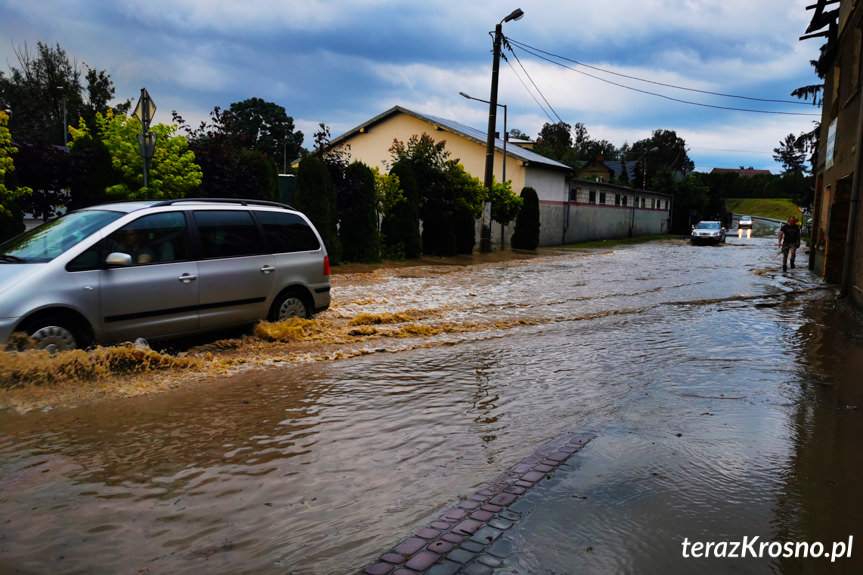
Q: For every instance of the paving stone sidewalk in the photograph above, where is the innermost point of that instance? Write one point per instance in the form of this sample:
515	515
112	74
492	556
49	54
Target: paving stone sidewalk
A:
466	539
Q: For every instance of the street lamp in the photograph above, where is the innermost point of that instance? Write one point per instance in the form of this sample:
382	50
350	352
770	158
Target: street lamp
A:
505	138
485	239
505	134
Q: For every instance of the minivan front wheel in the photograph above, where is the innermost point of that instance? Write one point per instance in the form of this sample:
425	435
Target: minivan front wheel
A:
52	335
289	305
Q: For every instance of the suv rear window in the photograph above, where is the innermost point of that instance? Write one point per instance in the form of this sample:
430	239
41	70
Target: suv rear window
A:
227	234
287	232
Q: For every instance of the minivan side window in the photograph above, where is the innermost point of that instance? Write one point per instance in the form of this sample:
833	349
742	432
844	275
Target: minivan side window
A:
153	239
226	234
287	232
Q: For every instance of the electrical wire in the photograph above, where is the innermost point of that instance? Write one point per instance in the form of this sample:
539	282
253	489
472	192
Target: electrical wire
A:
538	103
535	86
527	47
521	46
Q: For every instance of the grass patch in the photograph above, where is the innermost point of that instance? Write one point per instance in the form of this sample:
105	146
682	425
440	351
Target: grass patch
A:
777	209
623	241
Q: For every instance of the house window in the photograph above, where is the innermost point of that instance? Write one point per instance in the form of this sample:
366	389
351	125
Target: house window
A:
616	199
601	197
643	202
625	199
592	197
573	194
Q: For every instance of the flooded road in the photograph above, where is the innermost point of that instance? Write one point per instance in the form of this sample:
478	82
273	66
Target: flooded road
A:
723	395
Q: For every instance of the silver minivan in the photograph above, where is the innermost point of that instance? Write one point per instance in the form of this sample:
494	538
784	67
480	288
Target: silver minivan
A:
159	269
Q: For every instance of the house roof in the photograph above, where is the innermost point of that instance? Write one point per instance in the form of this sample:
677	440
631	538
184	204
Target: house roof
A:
478	136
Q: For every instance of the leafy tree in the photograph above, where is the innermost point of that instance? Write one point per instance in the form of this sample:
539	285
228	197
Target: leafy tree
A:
555	141
173	171
316	198
10	221
387	192
692	200
664	149
92	172
431	163
228	171
525	236
505	205
358	229
470	194
255	124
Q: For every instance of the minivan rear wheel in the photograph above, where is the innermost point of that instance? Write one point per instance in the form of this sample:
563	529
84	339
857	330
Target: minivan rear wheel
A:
289	305
52	335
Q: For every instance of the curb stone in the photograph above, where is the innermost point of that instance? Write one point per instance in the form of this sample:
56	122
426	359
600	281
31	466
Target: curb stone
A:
463	539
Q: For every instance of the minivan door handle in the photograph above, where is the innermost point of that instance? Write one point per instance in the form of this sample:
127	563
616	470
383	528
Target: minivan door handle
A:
267	269
187	278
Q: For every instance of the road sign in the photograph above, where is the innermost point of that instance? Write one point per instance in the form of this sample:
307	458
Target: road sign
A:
145	109
147	144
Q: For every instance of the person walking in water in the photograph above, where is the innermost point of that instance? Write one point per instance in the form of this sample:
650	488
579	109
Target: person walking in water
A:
789	241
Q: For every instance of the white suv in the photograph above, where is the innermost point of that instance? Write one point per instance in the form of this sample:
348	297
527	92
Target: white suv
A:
156	269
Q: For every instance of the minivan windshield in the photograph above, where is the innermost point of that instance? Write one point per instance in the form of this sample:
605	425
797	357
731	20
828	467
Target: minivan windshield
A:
46	242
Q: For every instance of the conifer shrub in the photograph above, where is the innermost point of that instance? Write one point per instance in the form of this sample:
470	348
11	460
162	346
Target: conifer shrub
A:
358	227
525	236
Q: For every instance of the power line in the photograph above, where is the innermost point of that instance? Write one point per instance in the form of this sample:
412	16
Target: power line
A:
532	82
527	46
681	101
541	107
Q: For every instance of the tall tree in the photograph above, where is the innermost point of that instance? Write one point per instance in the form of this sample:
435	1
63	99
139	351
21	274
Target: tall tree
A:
46	95
228	171
791	153
263	126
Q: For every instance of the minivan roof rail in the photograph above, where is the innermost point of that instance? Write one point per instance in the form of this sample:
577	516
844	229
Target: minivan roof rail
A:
241	201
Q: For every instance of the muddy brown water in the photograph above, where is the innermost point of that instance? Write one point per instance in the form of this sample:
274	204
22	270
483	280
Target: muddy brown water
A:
725	397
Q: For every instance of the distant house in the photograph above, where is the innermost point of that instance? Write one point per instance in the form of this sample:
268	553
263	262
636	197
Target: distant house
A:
370	143
743	173
571	209
602	170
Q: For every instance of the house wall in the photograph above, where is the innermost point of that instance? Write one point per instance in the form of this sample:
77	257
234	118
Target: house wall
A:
590	219
835	208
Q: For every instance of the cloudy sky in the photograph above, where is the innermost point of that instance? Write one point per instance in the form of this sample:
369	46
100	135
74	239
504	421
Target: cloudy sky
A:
614	65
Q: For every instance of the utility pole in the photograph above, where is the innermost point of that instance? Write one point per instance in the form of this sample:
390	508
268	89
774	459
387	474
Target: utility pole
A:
485	233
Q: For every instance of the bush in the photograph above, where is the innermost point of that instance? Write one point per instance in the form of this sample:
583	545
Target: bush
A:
525	236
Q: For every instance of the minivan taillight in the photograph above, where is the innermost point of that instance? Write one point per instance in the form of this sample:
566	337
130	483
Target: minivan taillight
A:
326	265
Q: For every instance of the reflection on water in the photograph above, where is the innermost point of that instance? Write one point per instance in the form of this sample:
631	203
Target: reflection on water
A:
707	377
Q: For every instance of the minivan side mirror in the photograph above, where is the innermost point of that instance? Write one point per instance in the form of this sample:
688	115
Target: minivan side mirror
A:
118	259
